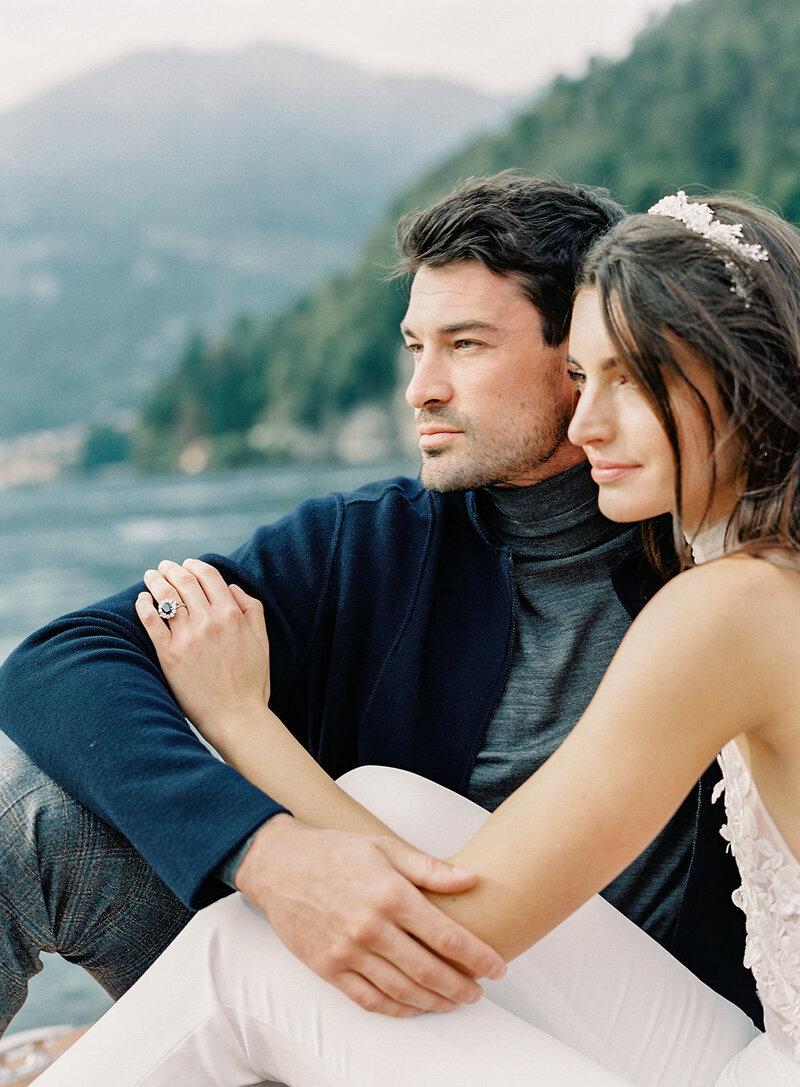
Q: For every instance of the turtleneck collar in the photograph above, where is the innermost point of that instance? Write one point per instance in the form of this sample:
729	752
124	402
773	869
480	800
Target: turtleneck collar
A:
551	519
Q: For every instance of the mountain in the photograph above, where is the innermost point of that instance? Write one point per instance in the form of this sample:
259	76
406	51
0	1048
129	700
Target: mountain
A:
169	190
708	97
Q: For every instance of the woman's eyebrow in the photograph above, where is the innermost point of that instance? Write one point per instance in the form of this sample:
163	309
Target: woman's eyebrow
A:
611	363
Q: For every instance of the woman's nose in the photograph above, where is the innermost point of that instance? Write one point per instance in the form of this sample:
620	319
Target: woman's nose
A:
590	422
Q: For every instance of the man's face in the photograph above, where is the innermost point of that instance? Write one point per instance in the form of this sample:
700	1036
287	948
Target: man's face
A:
491	397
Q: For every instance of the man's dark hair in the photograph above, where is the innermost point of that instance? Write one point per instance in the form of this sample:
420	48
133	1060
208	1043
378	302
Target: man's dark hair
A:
534	229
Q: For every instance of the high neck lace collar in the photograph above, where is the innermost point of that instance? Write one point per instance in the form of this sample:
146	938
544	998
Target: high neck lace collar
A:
709	544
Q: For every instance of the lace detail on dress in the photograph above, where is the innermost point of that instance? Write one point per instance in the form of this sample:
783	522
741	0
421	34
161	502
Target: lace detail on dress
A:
769	896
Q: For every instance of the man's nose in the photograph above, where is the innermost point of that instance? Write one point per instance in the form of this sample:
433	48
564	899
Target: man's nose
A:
429	384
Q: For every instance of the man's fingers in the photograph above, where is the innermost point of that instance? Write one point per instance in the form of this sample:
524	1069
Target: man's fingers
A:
364	918
402	989
454	943
417	976
429	925
425	871
366	995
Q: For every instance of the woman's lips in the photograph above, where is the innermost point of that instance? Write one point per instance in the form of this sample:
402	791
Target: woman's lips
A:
610	473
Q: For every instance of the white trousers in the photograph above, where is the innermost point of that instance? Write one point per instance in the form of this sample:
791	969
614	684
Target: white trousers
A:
596	1003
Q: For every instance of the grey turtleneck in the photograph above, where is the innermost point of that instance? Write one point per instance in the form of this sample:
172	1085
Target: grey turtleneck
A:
569	622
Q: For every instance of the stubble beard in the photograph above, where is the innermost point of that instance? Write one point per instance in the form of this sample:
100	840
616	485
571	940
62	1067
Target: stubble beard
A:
500	461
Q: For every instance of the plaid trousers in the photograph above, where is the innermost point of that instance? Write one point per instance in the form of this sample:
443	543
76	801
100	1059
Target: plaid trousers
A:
71	884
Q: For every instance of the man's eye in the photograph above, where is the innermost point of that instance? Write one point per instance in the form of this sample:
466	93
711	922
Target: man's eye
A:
461	344
577	377
413	348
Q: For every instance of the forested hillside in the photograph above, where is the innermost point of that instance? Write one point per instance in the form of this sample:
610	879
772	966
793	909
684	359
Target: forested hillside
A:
169	189
709	97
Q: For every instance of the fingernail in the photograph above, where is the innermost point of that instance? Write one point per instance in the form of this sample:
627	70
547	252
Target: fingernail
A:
498	972
475	997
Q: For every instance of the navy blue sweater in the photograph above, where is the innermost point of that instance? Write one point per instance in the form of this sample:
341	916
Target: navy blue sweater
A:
391	620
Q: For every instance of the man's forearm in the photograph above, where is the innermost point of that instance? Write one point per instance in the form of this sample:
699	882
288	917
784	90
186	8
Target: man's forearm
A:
89	706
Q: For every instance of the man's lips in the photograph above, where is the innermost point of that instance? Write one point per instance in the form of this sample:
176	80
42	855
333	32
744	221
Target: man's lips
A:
431	437
610	472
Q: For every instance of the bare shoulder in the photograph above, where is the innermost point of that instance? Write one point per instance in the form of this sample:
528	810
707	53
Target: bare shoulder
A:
718	646
739	603
741	585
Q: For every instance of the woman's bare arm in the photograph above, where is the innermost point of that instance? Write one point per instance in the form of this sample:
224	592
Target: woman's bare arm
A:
691	674
697	668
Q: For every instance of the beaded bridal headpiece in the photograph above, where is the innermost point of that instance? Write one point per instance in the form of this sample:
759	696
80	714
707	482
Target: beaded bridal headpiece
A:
699	218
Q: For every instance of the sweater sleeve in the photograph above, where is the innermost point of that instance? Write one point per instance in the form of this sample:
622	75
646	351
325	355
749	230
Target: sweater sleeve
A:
85	698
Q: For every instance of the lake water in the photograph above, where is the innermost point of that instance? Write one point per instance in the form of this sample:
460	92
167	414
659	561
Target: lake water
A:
68	543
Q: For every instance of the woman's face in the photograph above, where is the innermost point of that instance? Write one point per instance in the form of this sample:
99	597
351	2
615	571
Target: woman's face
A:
628	449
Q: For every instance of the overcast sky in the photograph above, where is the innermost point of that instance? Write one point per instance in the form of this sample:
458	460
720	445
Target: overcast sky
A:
497	45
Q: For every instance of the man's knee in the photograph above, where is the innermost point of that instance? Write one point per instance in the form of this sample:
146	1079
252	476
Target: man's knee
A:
76	884
44	832
24	788
35	813
26	929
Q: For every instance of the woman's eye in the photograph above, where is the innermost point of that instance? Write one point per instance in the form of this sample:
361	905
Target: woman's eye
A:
577	377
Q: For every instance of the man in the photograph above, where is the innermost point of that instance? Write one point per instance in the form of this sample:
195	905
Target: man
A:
456	628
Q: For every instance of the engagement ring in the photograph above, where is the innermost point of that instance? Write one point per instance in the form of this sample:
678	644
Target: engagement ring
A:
168	608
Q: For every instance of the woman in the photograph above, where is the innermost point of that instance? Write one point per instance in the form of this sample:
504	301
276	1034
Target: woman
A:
685	352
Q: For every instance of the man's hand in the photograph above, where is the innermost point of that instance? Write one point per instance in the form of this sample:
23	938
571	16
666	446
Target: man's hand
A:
350	907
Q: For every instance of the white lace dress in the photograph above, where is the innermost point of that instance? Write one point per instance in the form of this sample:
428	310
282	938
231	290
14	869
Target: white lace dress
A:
770	898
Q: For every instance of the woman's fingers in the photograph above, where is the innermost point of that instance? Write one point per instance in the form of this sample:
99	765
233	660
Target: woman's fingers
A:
194	583
157	631
245	602
253	611
209	578
165	594
200	587
220	594
183	580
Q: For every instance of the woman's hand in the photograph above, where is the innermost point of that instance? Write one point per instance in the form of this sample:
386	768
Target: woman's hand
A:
214	650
